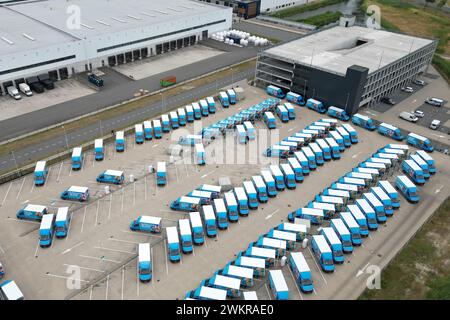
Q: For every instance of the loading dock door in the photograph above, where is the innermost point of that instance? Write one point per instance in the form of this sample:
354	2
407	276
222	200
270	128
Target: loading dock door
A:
112	61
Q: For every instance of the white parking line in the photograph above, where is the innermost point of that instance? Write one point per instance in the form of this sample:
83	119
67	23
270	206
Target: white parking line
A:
84	217
84	268
4	199
165	251
123	190
70	249
37	248
90	295
3	251
107	287
295	282
96	215
97	258
115	250
110	204
123	281
62	277
59	172
268	292
120	240
318	268
21	186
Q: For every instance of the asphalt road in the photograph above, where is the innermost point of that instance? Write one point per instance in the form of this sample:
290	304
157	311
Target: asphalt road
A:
118	92
74	138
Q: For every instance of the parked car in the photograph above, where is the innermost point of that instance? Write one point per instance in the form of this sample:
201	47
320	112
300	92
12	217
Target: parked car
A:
407	89
35	85
435	102
435	124
408	116
419	82
419	114
45	80
388	100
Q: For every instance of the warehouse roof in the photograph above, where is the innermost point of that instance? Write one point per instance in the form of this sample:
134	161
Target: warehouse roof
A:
49	21
338	48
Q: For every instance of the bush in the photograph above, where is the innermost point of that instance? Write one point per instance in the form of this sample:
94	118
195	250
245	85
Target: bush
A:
322	19
286	13
443	66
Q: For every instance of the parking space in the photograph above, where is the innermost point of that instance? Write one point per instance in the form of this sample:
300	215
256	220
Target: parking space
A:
101	244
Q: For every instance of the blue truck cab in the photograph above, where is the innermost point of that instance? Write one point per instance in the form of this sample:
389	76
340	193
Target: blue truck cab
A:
211	104
204	107
174	121
282	113
190	140
62	222
301	158
334	243
310	156
189	113
2	271
223	98
270	183
252	194
318	153
200	157
275	91
338	113
99	152
301	272
316	105
419	142
161	174
278	176
269	120
411	169
387	187
338	138
295	98
428	159
242	200
291	110
148	130
360	219
147	224
197	228
157	129
76	193
316	216
139	133
407	188
144	262
221	213
32	212
173	244
186	203
354	229
388	130
352	132
185	235
181	116
422	164
232	206
111	176
297	168
77	158
322	252
165	123
40	173
377	205
379	193
368	212
209	218
120	141
326	150
277	283
289	175
232	96
46	230
345	135
364	122
197	111
334	148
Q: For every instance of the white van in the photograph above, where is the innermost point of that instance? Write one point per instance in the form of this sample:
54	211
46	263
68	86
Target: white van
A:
408	116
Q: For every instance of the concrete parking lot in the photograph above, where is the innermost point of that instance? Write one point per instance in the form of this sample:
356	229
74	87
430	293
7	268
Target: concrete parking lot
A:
102	246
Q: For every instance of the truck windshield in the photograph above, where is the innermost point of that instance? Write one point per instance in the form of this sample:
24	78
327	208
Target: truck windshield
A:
244	206
380	214
328	262
262	194
60	228
187	243
372	221
306	282
413	194
173	252
198	235
210	227
144	271
349	243
45	237
338	253
222	220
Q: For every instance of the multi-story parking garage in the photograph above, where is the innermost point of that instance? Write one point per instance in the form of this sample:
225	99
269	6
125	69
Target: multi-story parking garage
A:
61	38
346	66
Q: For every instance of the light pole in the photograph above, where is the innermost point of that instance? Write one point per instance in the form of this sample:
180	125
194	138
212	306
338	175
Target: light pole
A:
65	136
101	128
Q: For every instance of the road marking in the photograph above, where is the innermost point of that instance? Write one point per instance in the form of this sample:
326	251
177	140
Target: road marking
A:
207	174
439	189
115	250
96	215
90	295
99	259
165	251
25	221
37	248
1	249
268	292
4	199
110	203
361	271
123	278
120	240
21	186
59	172
355	155
121	208
84	217
107	287
271	214
318	268
62	277
70	249
295	282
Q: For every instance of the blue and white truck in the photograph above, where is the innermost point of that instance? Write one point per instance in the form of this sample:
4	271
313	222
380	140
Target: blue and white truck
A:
280	246
174	121
190	140
197	110
338	138
305	136
46	230
377	205
291	110
261	189
148	224
111	176
345	135
244	274
232	96
242	200
300	230
144	262
189	113
215	190
335	244
221	213
388	130
338	113
301	158
165	123
186	203
99	152
269	120
332	122
269	255
422	164
10	291
230	284
199	154
359	183
161	174
139	133
148	130
270	183
352	132
299	141
197	228
32	212
411	169
241	134
257	264
232	206
250	129
360	219
368	212
278	176
289	237
40	173
322	252
210	220
301	272
120	141
316	105
62	222
407	188
329	209
173	244
181	116
77	158
275	91
318	153
252	194
369	177
350	188
289	175
336	200
310	156
379	193
211	104
364	122
316	216
391	192
353	227
282	113
419	142
223	98
297	168
206	293
428	159
326	150
204	107
278	285
76	193
185	235
157	129
295	98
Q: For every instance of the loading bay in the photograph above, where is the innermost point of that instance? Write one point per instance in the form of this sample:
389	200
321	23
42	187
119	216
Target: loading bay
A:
101	244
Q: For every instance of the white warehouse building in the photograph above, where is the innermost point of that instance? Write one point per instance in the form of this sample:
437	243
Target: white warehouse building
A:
50	37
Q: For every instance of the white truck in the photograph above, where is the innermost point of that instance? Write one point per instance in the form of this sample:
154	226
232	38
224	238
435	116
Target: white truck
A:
25	89
13	92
